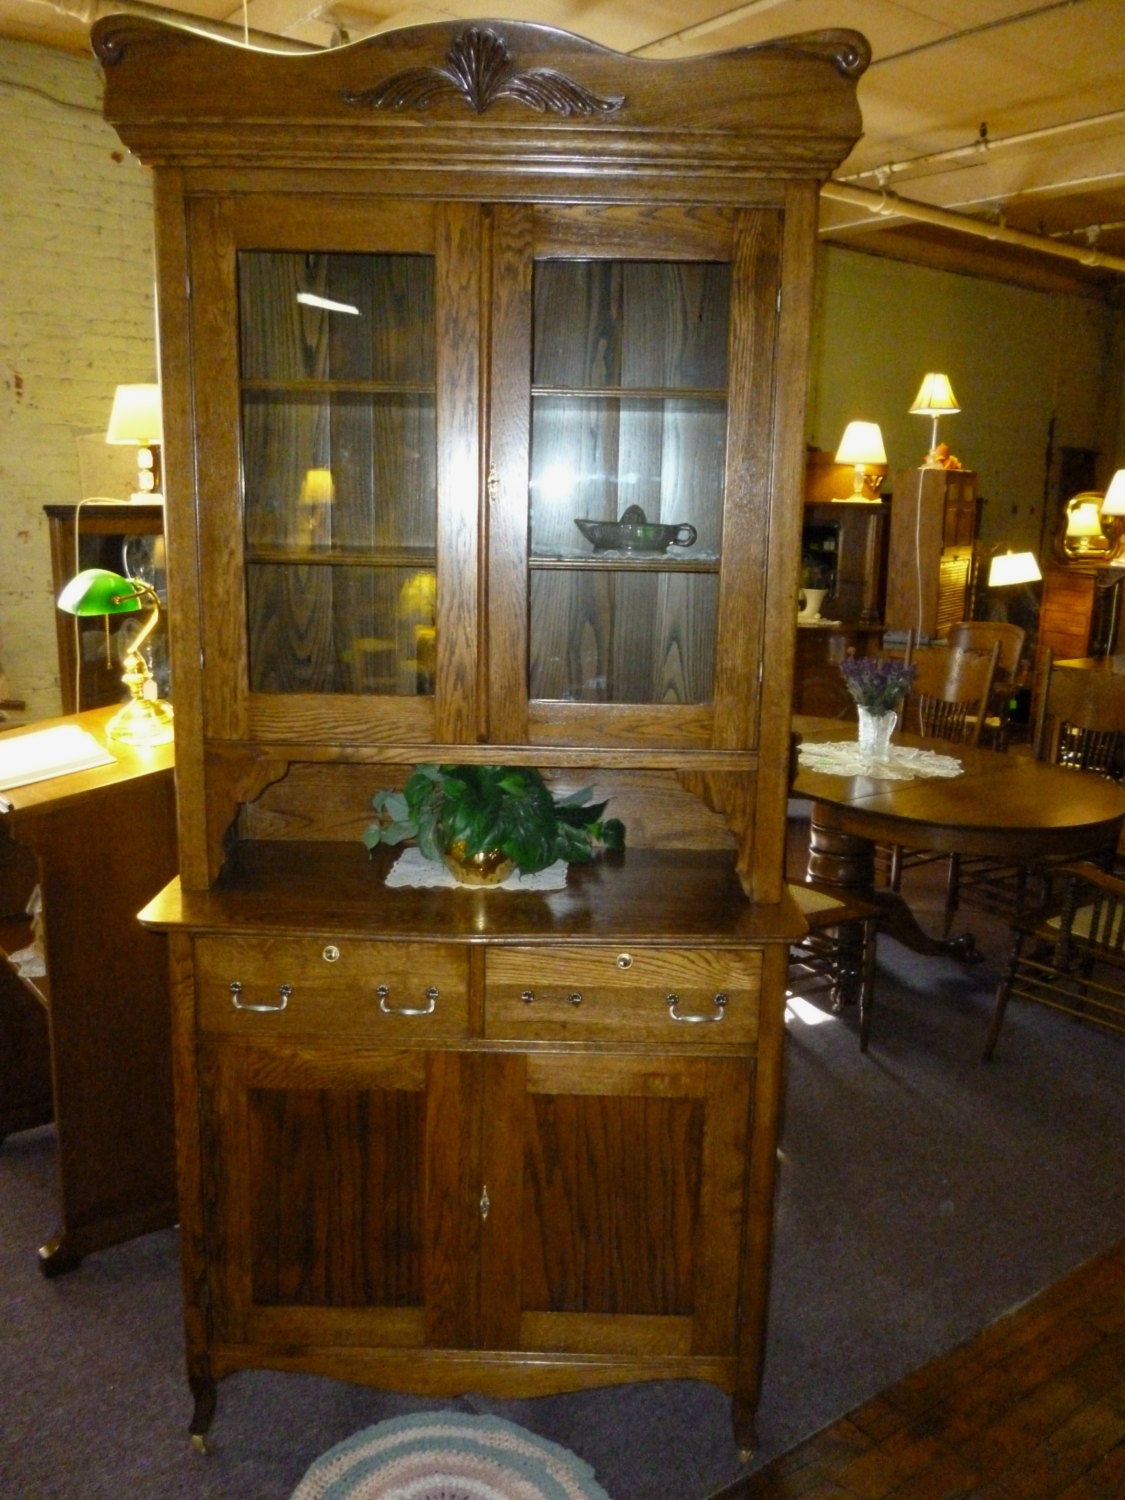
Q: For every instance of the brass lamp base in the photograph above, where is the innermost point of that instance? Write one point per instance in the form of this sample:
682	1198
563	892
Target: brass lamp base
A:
142	721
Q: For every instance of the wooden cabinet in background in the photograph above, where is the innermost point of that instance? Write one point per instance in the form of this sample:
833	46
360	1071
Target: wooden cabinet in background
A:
843	548
818	686
1078	617
534	1132
97	534
848	543
930	563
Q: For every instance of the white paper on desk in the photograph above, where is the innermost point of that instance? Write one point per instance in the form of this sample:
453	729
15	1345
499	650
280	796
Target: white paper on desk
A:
44	753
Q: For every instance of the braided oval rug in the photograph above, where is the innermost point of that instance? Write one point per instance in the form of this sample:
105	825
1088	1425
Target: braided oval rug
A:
448	1456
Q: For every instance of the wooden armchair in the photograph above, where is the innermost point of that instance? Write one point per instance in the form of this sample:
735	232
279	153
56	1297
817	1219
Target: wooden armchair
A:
1070	954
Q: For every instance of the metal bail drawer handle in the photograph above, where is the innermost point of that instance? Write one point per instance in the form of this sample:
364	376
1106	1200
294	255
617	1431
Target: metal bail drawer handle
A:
283	990
719	1002
407	1010
574	998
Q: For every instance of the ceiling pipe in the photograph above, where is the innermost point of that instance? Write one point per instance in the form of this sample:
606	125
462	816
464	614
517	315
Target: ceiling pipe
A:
889	205
882	203
752	8
984	146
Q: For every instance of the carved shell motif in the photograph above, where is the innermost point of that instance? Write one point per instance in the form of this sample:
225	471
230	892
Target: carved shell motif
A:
480	71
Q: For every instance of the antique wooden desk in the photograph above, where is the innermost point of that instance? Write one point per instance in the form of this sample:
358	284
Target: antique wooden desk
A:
88	1045
1002	804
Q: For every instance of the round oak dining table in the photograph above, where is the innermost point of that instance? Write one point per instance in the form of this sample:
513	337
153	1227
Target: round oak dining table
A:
1002	804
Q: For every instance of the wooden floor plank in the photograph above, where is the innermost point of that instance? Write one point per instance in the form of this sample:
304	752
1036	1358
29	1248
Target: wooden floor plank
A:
1031	1409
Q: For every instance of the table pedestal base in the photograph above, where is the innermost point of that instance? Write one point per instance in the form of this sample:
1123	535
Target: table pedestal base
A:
848	861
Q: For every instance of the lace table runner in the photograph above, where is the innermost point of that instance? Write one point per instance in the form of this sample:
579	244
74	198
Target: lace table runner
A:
412	868
842	758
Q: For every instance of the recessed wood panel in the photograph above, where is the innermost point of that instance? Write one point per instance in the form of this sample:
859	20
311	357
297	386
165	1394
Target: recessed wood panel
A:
336	1196
611	1192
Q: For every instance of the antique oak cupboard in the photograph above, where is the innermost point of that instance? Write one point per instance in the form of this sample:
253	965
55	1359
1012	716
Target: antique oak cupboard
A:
935	516
441	1140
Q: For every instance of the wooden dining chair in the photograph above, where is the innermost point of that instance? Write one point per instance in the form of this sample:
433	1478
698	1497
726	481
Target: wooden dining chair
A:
1079	723
1080	720
948	700
1069	954
838	952
949	696
982	635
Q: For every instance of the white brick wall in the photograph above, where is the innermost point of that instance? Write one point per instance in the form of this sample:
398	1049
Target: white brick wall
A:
76	319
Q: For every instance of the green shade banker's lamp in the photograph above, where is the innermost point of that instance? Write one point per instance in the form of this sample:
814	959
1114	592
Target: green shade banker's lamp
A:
146	719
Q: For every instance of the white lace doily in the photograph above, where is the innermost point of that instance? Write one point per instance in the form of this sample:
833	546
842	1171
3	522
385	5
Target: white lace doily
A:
414	869
842	758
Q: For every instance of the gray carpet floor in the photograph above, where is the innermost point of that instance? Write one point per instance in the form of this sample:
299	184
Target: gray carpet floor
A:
922	1195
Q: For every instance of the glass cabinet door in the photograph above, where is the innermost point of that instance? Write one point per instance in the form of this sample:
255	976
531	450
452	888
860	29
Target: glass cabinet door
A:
339	443
628	442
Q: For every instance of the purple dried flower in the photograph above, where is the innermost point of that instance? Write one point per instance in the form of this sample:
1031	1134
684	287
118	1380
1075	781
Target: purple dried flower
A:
877	683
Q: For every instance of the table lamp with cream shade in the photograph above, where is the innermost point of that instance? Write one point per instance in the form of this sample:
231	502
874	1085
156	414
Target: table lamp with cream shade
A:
136	418
146	719
935	399
862	446
1009	567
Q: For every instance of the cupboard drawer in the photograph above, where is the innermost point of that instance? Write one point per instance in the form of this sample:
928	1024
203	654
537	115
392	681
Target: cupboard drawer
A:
404	991
673	996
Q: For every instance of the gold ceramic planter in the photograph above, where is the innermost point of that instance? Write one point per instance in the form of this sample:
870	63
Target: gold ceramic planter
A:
488	868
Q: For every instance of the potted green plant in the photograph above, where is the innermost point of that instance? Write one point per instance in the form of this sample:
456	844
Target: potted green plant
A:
484	821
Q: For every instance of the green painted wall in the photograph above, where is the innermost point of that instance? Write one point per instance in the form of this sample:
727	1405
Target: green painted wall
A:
1016	358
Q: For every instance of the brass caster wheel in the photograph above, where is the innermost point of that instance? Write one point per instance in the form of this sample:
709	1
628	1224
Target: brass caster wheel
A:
199	1442
745	1456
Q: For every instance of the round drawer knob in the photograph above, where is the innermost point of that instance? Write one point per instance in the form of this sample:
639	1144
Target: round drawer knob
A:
624	960
331	953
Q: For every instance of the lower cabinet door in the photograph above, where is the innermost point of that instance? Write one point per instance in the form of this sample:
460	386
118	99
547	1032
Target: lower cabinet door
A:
340	1202
575	1203
616	1192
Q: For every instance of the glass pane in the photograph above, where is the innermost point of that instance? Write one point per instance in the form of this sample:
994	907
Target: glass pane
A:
595	457
316	628
339	471
607	635
628	453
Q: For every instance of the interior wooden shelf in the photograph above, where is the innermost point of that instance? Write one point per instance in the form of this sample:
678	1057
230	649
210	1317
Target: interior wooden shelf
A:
627	562
341	557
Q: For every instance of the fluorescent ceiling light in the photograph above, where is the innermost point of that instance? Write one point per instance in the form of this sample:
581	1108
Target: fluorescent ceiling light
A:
310	299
